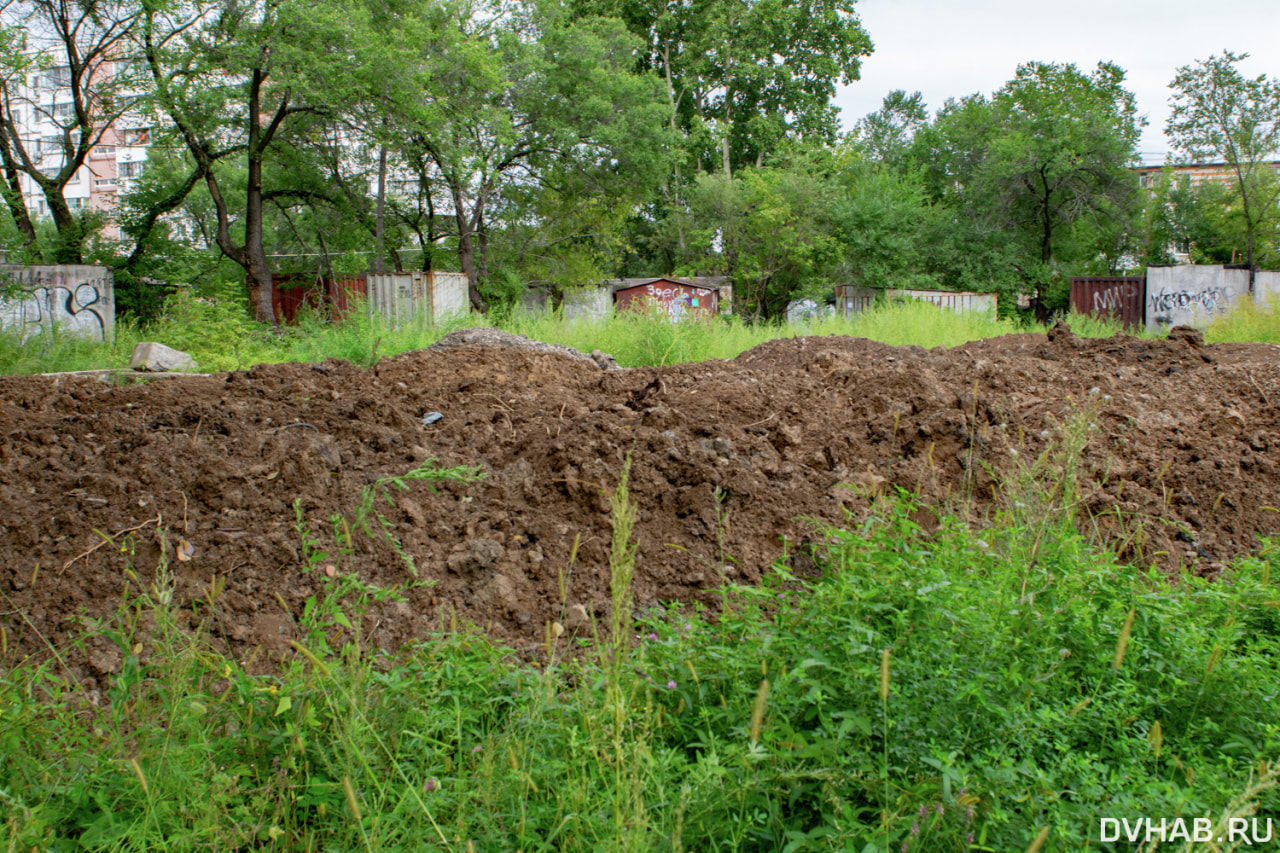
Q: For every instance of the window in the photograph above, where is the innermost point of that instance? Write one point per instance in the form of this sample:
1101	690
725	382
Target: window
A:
138	136
103	152
402	188
64	110
103	183
58	77
77	203
49	145
130	170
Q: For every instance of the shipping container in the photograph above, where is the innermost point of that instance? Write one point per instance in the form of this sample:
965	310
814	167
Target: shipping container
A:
289	293
431	296
1119	298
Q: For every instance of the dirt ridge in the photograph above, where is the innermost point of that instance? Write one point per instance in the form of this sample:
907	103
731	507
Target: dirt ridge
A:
1187	438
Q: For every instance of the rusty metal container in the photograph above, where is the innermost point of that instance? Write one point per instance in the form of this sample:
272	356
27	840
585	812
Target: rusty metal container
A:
1121	298
291	292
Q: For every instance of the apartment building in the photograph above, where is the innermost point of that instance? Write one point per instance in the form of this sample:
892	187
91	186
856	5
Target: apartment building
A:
1197	173
43	109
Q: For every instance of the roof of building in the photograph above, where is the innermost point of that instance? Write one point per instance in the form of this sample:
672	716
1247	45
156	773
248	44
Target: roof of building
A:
1214	165
702	282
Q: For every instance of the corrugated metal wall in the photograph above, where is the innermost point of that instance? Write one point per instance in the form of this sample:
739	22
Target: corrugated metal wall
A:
334	298
1121	298
431	296
851	300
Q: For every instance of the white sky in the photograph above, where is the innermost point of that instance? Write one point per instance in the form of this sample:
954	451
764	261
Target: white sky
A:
946	49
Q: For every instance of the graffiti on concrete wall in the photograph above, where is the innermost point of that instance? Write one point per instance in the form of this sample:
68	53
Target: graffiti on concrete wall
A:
1209	300
76	299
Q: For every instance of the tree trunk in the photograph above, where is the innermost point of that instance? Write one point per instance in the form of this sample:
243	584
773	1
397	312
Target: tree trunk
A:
1233	157
467	254
1046	240
70	241
17	204
255	254
380	213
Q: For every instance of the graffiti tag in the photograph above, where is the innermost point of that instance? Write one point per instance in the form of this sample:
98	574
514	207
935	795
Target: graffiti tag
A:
1111	299
74	308
1210	299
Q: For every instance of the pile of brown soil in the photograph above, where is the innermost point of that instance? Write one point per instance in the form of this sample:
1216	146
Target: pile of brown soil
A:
731	460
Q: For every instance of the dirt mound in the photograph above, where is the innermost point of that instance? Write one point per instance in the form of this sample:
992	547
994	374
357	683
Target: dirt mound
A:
484	336
730	461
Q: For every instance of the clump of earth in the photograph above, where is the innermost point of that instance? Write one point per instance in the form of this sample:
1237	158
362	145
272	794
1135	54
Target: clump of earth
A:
734	466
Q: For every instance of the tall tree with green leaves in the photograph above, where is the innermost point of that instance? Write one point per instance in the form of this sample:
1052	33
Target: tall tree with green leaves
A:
76	49
742	76
1219	113
1063	150
232	79
882	218
528	99
887	133
1045	162
767	229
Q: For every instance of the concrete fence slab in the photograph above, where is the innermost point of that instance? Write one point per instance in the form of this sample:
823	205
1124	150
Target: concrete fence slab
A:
78	299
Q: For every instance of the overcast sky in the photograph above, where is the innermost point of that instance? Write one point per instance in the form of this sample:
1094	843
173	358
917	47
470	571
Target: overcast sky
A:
949	49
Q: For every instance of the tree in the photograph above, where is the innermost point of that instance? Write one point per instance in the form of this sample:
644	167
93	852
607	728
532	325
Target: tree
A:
1045	162
84	47
886	134
526	101
232	79
742	76
1063	150
768	229
1218	112
1206	222
881	217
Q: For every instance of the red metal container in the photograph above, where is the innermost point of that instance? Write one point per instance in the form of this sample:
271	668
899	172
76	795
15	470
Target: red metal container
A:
677	299
1120	298
289	293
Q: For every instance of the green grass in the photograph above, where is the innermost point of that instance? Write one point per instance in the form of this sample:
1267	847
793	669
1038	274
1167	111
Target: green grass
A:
1090	326
637	339
1248	321
940	687
220	336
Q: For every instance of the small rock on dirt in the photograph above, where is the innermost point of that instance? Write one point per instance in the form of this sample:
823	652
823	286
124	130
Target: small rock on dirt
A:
151	357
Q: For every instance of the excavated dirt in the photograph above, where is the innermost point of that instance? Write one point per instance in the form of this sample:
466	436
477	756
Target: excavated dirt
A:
729	457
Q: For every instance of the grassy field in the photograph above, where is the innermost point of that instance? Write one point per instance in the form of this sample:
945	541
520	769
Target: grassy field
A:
220	336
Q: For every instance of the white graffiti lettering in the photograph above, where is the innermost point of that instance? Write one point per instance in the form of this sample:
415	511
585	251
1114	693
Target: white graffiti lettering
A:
1111	299
1210	299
